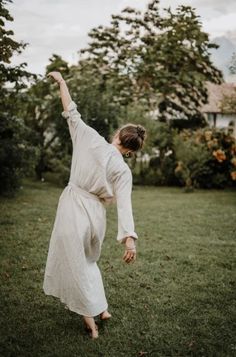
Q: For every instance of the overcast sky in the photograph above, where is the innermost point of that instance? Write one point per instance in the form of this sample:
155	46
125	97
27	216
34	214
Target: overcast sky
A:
61	26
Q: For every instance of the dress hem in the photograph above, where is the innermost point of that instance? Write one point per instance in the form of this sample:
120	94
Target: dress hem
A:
79	312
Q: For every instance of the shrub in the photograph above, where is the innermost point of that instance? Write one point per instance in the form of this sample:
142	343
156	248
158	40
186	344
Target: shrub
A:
59	170
17	155
205	158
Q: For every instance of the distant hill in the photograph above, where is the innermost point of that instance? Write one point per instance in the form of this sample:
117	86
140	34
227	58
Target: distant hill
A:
221	57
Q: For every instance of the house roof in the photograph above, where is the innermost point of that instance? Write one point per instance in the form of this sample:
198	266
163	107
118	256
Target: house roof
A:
216	93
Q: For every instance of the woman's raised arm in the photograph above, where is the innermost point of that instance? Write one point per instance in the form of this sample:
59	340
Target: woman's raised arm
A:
65	95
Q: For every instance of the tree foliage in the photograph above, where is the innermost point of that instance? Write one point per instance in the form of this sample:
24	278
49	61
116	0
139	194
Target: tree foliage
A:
16	153
161	59
42	113
8	46
146	67
94	94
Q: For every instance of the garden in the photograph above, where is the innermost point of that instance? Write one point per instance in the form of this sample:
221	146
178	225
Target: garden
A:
178	298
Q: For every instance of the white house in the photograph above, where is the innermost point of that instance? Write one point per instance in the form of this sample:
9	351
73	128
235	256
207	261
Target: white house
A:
216	117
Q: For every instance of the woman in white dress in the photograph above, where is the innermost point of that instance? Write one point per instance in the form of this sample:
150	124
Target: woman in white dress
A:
99	176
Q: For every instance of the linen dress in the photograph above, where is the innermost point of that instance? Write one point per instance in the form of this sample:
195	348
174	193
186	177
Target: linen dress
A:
99	177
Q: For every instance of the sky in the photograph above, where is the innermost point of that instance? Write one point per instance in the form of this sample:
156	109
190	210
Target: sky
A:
61	26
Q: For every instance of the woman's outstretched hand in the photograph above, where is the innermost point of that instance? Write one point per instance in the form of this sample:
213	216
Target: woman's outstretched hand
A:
56	76
64	91
130	250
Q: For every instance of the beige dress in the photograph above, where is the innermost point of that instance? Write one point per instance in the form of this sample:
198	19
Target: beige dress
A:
99	177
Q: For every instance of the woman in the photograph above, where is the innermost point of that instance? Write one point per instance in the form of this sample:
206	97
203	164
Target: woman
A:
99	176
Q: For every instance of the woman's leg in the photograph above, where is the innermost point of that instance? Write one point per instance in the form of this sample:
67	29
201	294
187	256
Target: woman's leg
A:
91	325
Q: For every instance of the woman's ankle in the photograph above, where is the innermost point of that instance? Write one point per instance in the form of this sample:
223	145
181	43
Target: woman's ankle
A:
105	315
91	326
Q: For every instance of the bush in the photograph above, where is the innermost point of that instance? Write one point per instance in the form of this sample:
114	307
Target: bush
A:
17	155
205	158
59	170
192	157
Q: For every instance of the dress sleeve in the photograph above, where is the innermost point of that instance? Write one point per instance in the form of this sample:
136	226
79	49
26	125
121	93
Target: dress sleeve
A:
77	126
123	190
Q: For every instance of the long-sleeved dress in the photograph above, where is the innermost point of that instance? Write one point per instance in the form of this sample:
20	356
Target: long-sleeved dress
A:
99	177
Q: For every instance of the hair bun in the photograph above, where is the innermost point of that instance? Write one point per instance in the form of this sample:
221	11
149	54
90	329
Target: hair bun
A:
141	131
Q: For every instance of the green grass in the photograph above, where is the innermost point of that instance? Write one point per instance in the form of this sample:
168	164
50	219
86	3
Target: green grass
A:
178	299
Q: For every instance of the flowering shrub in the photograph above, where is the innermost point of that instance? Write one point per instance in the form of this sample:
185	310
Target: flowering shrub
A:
192	159
205	158
219	155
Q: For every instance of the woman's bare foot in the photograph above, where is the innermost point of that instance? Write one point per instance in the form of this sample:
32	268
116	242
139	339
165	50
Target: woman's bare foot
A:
91	326
105	315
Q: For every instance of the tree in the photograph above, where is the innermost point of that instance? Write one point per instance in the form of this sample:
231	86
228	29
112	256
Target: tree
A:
94	94
42	113
16	153
160	60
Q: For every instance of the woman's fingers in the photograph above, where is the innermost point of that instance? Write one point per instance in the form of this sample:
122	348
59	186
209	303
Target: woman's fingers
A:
126	255
55	75
50	74
129	256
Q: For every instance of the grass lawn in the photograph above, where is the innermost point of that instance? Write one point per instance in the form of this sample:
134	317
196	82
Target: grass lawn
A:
178	299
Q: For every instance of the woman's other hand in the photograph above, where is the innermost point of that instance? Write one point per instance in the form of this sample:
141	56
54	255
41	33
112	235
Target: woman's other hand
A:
56	76
130	250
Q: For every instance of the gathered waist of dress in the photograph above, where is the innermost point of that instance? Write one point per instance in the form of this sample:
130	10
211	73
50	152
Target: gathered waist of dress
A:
83	192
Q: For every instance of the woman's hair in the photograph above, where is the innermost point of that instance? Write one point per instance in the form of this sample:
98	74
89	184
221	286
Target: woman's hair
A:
132	136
